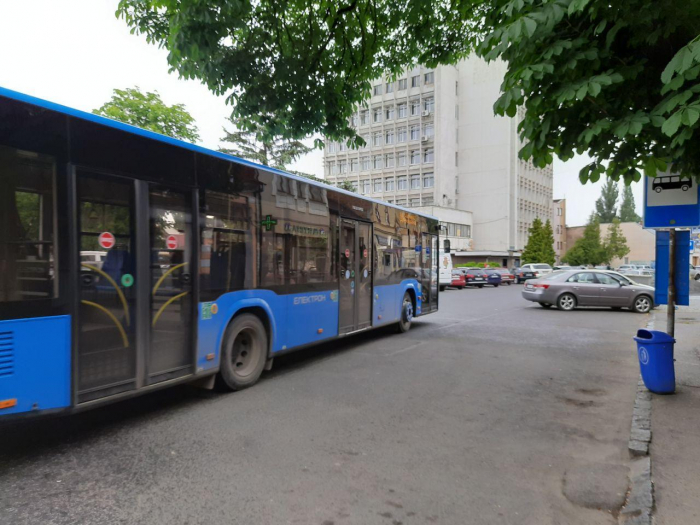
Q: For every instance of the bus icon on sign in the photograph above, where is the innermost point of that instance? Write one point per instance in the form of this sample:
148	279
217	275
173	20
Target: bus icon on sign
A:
672	182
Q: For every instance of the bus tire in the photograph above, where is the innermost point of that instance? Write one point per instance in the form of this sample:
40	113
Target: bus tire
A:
243	353
406	314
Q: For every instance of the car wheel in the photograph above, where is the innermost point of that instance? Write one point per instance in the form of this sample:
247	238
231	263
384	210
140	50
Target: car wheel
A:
406	314
642	304
658	189
481	286
545	305
697	276
495	285
442	288
243	353
685	187
566	302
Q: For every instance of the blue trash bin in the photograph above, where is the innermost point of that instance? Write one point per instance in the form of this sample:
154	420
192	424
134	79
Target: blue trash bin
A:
655	352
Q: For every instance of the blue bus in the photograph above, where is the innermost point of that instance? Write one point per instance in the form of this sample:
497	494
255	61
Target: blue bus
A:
130	261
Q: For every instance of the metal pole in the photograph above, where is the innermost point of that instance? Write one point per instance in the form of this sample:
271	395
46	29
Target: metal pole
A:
671	312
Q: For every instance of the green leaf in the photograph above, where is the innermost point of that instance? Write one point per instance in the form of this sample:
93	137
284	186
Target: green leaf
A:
671	125
581	93
600	27
594	88
530	26
690	116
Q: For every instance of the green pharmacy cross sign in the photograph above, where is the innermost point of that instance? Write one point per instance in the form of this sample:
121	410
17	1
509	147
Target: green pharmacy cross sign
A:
269	222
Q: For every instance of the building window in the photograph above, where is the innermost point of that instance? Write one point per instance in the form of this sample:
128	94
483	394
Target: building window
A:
428	200
364	163
456	158
377	185
429	78
365	137
415	132
377	139
365	186
429	130
413	202
415	81
389	87
377	163
402	84
332	168
559	212
354	120
415	181
429	104
364	117
343	166
389	184
428	180
389	137
377	115
456	87
456	135
353	183
415	108
354	164
390	160
403	110
415	157
402	158
401	132
402	183
428	155
378	89
401	202
389	113
342	146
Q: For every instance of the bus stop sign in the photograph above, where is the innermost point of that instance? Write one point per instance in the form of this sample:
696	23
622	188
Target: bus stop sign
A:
671	202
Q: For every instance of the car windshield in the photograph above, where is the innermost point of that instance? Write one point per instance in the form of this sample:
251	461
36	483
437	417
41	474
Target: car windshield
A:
541	267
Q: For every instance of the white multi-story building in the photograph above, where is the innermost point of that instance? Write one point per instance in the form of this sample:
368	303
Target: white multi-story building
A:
432	141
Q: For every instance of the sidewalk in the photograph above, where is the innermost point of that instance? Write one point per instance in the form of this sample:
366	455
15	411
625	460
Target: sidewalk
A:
675	425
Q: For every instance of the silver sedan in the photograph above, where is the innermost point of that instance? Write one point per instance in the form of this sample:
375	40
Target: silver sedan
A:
571	288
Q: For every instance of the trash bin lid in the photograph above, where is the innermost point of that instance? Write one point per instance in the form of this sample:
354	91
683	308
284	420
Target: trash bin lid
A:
653	336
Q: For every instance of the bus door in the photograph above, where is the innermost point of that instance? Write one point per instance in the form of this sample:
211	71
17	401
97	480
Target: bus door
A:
355	266
135	314
429	273
171	298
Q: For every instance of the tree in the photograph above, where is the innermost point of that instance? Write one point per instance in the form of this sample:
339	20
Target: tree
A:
605	206
531	253
615	242
148	111
346	185
540	244
249	142
618	79
548	255
588	249
628	212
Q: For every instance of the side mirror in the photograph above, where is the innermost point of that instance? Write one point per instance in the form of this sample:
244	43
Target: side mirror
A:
446	244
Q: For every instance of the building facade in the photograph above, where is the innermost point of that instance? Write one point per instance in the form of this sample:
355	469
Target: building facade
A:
640	241
432	140
559	228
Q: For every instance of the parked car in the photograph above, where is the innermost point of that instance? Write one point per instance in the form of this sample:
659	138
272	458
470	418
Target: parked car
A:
540	269
506	276
474	276
569	289
458	280
493	277
695	272
522	274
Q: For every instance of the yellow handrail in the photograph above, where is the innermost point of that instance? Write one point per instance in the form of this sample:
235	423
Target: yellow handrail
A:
119	292
162	277
167	303
125	339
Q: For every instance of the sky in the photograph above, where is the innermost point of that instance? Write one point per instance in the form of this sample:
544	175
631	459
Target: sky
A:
75	52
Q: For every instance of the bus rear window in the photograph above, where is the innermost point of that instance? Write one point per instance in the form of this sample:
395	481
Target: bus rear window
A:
27	219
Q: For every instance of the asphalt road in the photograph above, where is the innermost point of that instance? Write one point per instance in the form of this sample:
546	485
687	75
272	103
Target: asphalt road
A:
493	410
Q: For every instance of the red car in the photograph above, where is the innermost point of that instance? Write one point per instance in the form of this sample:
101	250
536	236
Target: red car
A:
458	280
506	277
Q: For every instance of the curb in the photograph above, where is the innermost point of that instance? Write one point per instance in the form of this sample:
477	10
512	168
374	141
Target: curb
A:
640	432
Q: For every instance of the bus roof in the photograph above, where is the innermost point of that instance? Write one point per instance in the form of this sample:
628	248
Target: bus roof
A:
104	121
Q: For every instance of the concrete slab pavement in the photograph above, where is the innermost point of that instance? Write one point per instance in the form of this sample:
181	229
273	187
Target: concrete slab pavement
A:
675	426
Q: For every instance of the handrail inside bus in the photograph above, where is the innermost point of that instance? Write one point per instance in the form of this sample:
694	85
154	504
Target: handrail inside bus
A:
165	305
125	305
125	339
162	277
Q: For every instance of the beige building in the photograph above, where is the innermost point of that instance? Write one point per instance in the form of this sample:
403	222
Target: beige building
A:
559	228
641	242
434	143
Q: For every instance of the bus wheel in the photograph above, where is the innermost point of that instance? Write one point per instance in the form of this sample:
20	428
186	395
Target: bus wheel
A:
406	313
243	353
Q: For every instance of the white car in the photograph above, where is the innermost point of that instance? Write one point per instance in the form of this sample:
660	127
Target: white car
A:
538	268
695	272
